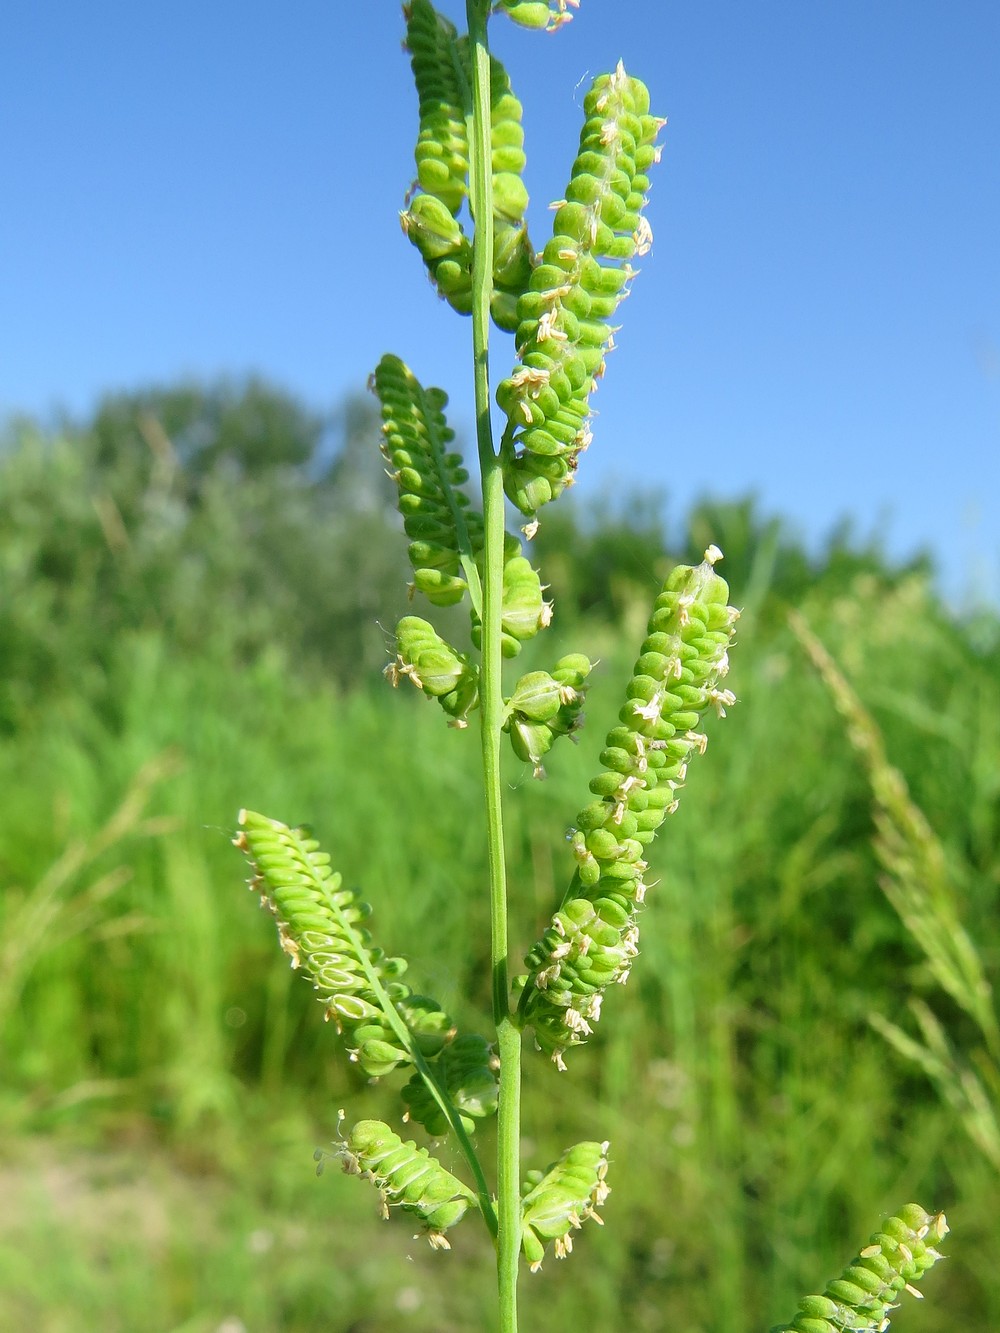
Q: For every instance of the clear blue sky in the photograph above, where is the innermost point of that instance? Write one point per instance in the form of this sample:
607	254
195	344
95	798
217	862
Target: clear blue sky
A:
199	189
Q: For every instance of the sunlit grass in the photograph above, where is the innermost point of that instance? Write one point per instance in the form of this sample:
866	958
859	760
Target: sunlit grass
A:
153	1009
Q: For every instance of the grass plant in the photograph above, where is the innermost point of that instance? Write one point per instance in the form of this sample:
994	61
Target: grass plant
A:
919	883
559	304
163	1077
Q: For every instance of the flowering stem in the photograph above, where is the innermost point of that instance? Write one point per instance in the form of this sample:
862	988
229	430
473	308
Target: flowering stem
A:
490	693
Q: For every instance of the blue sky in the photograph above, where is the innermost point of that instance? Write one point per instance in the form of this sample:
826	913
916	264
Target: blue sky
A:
196	190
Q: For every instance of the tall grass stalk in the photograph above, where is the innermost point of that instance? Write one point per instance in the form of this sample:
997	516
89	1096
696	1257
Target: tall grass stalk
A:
56	909
919	884
491	702
558	303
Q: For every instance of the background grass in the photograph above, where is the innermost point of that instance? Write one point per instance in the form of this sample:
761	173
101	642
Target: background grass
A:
165	1077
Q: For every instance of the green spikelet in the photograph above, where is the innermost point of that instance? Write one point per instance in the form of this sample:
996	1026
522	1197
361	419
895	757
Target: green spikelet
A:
444	247
583	276
319	928
436	668
445	533
513	260
556	1202
544	707
593	938
862	1297
466	1072
407	1177
539	14
524	610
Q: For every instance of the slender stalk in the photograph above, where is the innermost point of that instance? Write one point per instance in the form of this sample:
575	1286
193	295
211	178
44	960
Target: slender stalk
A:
490	692
392	1017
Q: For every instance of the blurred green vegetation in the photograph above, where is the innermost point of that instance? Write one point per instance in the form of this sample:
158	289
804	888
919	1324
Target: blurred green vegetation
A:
198	593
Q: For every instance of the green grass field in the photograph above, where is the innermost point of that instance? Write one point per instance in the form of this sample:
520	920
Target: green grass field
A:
165	1077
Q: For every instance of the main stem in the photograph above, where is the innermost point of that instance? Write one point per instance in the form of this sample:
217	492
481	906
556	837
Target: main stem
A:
490	688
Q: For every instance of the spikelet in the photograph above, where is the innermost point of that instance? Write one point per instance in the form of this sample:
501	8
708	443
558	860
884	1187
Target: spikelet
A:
444	247
544	707
862	1297
435	667
557	1202
319	929
546	15
583	275
406	1177
437	516
593	938
523	610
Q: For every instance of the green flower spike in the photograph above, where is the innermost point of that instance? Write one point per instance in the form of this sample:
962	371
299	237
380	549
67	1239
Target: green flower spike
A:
556	1202
445	533
539	13
442	151
436	668
593	938
575	290
862	1297
318	926
441	62
406	1177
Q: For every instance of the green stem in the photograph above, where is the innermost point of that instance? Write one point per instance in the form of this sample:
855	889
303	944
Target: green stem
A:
509	1172
490	688
392	1016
